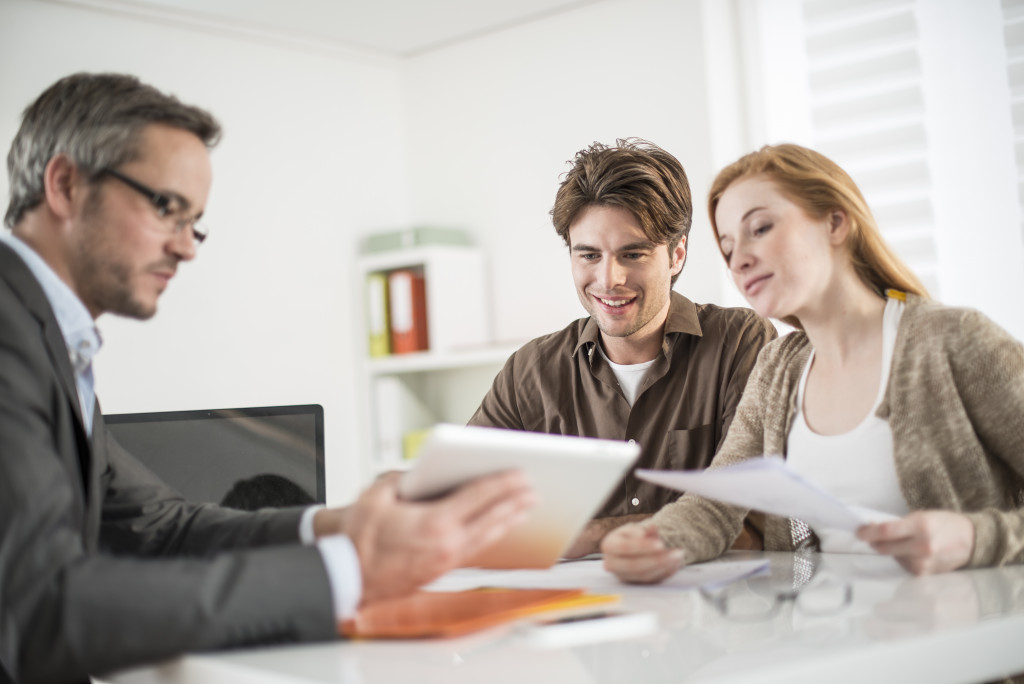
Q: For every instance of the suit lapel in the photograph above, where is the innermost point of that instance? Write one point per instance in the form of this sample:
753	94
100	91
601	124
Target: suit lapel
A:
14	270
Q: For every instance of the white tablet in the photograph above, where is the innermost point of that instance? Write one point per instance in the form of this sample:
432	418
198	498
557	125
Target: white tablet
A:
572	477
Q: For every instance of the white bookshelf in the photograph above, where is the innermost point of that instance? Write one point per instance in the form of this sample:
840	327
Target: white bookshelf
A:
445	384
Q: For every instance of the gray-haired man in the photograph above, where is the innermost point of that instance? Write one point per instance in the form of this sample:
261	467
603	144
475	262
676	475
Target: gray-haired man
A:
101	565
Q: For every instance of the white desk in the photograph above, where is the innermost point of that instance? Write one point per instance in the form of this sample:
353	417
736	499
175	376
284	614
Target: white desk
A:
966	626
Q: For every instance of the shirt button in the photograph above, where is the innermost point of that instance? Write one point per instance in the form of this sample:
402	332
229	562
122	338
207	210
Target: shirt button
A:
635	501
632	441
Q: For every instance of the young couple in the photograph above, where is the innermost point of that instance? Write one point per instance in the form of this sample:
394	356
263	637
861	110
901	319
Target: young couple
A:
884	397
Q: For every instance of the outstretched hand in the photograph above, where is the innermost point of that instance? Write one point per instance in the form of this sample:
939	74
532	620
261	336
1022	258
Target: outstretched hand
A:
924	542
403	544
635	553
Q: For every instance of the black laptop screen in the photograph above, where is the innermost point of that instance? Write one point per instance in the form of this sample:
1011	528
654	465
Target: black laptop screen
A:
245	458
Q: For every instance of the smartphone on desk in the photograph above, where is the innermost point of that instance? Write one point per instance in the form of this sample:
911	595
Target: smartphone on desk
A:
585	628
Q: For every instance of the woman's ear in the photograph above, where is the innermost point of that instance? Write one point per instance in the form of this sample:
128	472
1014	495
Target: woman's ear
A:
839	226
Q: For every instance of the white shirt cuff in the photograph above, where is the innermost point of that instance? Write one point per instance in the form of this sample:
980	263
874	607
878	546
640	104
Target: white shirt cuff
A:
343	573
306	535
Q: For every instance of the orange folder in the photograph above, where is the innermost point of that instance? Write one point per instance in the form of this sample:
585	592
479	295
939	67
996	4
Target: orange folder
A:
407	304
448	614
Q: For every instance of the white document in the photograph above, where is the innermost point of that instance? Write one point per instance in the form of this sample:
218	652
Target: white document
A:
767	484
591	575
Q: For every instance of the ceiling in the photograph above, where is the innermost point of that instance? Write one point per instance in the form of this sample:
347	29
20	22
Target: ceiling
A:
386	28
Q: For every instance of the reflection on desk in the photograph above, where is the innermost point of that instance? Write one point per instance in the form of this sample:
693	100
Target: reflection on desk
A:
966	626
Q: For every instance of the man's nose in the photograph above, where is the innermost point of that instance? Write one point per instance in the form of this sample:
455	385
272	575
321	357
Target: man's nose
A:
183	244
613	274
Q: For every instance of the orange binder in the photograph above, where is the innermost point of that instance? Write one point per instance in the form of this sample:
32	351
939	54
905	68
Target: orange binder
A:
448	614
407	299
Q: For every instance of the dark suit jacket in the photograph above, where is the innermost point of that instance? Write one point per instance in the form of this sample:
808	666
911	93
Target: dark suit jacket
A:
103	566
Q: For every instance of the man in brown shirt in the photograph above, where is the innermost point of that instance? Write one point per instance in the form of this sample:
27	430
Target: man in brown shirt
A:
648	365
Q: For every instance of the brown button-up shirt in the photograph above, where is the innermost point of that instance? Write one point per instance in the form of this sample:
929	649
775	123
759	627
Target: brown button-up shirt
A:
561	384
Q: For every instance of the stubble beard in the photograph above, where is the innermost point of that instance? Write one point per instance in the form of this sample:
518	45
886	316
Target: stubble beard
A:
102	279
640	320
643	318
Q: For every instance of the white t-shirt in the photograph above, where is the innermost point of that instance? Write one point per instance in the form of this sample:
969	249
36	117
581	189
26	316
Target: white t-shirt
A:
629	375
857	467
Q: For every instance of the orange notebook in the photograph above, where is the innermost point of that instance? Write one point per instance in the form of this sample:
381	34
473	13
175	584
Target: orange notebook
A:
448	614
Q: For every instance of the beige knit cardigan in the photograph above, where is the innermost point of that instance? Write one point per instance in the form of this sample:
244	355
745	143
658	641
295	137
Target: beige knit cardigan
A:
955	403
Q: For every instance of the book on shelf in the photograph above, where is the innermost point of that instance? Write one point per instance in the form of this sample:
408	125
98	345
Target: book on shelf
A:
407	299
396	409
411	443
377	319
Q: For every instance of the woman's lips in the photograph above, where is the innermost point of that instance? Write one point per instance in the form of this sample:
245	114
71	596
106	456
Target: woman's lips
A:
755	285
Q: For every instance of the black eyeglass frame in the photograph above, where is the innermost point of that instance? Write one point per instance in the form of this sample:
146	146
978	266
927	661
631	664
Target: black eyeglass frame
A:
160	202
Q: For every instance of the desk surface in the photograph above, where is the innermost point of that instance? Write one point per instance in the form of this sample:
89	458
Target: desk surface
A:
966	626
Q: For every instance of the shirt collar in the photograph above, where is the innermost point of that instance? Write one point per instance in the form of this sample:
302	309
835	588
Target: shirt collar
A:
682	318
76	325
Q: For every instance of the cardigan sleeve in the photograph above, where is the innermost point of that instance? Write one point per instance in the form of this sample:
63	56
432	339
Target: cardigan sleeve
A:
988	368
702	528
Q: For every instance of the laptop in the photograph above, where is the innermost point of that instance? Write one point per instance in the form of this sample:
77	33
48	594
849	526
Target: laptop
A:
572	477
245	458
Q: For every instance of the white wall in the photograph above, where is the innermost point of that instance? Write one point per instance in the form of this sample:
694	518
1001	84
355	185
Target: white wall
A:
491	123
312	156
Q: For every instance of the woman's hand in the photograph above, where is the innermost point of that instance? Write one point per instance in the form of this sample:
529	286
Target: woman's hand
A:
636	554
924	542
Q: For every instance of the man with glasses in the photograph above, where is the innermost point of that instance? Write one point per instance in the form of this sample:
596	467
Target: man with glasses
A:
102	566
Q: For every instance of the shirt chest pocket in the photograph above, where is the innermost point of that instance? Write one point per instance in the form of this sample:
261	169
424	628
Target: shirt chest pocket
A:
690	449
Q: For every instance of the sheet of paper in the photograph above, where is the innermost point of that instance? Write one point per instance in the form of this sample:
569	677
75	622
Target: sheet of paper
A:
591	575
767	484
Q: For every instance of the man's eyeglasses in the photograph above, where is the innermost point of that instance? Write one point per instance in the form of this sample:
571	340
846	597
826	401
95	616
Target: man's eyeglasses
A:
743	603
164	206
757	599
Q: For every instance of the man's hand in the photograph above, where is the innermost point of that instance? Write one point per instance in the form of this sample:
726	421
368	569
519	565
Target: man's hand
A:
404	544
589	540
924	542
636	554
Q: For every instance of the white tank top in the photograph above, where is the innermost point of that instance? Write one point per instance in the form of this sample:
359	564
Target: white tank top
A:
857	467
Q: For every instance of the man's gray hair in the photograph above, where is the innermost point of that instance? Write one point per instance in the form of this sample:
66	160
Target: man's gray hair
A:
96	120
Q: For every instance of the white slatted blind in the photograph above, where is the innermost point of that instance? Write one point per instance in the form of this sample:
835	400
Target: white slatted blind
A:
922	101
1013	31
868	114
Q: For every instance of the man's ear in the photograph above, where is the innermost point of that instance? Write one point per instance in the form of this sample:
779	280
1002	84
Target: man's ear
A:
838	226
60	186
679	256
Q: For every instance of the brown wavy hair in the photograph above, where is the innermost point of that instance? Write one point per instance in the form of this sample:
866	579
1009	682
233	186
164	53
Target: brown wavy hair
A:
635	175
819	186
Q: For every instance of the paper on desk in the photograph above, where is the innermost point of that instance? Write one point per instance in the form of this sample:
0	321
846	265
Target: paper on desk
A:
592	576
767	484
